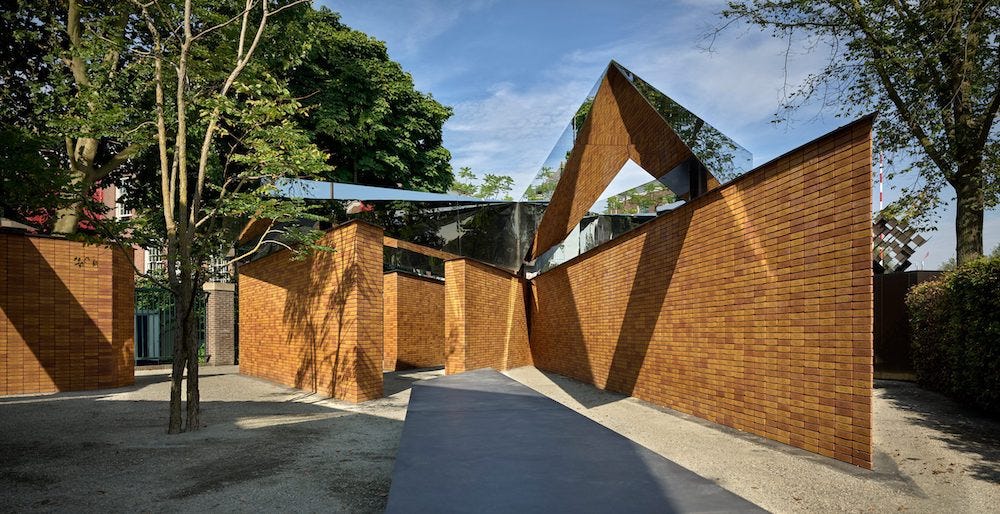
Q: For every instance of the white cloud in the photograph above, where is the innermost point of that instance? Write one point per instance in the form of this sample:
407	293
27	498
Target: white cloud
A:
425	21
736	88
511	131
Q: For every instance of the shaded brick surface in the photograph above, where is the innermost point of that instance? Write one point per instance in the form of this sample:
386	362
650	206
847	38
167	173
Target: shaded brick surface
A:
316	324
413	322
66	316
220	323
750	306
485	318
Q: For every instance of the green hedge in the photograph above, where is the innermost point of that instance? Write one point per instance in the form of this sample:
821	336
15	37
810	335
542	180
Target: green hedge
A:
955	322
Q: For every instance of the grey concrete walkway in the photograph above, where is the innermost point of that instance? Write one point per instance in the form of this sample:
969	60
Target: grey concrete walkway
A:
482	442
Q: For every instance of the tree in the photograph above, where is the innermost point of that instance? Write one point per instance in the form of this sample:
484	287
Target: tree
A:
468	187
72	95
363	108
168	99
491	187
929	68
543	186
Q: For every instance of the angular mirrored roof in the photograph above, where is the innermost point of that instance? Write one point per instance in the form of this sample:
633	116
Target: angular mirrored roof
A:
720	155
625	119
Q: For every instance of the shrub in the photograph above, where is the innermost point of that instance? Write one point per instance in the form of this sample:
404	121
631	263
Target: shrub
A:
955	322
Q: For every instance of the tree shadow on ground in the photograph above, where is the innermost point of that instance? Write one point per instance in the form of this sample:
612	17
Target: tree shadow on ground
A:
398	381
961	428
108	451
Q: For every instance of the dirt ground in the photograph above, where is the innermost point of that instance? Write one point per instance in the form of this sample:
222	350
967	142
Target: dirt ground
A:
270	448
931	455
264	448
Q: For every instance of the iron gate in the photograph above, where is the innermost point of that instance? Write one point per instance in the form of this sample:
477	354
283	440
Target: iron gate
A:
156	325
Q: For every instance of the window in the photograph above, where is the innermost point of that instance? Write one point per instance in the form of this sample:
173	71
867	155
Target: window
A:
120	210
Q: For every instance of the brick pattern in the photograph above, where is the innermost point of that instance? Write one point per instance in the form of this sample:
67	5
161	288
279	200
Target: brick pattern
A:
621	126
485	318
66	316
316	324
750	306
413	322
220	323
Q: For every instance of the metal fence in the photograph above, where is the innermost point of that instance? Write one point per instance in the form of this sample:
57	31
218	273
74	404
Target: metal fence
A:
156	325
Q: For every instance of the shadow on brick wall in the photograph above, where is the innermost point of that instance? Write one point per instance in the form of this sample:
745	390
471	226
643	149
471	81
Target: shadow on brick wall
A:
316	321
644	297
653	275
45	316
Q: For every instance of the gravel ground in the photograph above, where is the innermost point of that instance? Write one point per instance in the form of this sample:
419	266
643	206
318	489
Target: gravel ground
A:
270	448
930	454
264	448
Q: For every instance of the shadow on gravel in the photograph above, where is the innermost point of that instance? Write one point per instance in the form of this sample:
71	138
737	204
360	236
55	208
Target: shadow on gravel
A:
109	451
585	394
398	381
961	428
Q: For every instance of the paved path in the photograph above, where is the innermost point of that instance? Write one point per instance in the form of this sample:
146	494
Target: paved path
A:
482	442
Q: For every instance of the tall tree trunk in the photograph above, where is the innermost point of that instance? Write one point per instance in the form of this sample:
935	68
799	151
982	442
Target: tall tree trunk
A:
177	376
969	218
193	394
67	219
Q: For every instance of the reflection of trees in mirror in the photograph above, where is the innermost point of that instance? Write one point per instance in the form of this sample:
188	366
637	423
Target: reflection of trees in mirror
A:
643	199
543	186
491	187
581	115
487	234
400	259
409	221
721	155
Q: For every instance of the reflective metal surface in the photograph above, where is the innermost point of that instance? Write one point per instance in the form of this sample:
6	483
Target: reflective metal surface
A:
501	233
722	156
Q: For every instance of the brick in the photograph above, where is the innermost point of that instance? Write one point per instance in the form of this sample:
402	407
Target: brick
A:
413	322
67	315
316	324
750	288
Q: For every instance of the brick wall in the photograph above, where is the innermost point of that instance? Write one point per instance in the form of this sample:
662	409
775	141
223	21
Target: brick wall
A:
413	322
316	324
220	323
485	319
750	306
66	316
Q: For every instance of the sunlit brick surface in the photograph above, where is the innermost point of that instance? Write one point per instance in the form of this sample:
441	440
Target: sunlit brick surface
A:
413	322
316	324
66	316
485	325
750	306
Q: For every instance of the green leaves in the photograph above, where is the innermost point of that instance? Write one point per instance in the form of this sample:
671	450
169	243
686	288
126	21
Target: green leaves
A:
491	187
929	68
364	111
956	333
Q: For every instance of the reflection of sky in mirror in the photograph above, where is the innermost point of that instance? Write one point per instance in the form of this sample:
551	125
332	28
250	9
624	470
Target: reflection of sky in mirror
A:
543	185
723	157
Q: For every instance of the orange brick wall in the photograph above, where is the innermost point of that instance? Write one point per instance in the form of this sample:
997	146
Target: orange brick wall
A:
66	316
485	318
750	306
316	324
413	322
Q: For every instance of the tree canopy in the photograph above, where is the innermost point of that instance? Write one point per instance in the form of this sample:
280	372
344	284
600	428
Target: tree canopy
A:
930	69
355	104
364	111
490	187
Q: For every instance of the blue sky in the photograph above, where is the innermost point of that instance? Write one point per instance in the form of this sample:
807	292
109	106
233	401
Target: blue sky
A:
515	70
